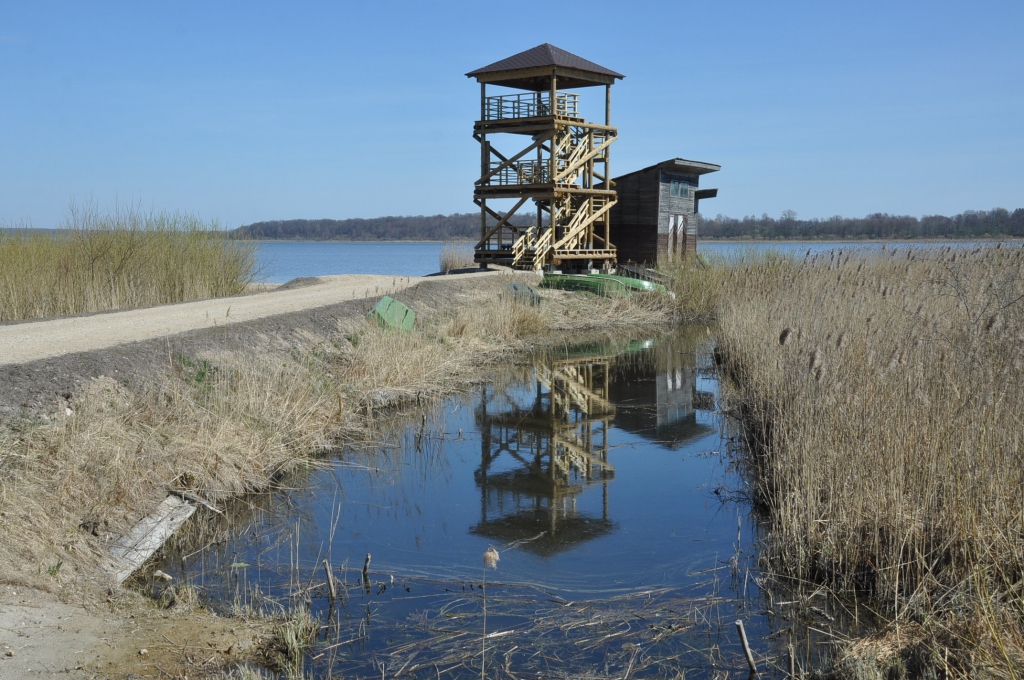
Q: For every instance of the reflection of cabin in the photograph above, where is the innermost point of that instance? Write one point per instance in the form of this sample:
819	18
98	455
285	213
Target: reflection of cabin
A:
656	396
541	451
655	218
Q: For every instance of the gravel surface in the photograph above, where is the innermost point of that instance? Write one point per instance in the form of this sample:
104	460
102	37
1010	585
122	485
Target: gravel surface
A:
44	363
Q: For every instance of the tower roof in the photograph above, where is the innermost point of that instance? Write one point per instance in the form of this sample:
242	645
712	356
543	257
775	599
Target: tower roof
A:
532	70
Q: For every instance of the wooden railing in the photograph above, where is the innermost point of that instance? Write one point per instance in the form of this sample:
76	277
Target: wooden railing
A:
519	248
583	218
520	172
530	105
534	245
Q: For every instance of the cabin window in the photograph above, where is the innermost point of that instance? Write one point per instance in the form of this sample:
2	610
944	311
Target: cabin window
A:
680	189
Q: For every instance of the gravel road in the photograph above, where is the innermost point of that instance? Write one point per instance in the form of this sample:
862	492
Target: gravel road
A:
29	341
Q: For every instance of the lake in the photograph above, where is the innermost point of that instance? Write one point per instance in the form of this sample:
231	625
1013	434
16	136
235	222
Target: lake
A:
282	261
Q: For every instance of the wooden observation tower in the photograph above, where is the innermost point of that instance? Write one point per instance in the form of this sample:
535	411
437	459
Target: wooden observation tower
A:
564	169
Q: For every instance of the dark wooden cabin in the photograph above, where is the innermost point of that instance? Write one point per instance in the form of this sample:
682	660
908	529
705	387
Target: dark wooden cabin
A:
655	218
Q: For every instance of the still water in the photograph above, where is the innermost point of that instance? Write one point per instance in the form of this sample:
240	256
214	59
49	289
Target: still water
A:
282	261
601	474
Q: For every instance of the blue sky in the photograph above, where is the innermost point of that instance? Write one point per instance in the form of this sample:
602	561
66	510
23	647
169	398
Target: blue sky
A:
253	111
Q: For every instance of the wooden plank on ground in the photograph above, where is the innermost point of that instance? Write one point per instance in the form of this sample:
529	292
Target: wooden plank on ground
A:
148	535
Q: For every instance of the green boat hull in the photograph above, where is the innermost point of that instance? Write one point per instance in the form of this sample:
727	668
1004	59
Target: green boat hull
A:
602	284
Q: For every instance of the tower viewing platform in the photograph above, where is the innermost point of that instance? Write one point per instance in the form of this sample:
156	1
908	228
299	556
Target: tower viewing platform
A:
564	170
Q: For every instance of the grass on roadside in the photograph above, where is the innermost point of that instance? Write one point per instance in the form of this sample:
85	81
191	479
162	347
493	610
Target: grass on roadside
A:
123	259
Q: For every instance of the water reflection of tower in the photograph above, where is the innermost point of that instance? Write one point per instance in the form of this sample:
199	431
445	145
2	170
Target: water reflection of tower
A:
539	453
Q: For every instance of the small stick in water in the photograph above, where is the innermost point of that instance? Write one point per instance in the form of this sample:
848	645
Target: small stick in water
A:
746	646
366	568
330	580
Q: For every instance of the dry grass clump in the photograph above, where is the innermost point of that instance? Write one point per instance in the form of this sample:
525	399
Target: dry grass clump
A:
697	285
700	283
216	430
124	259
883	398
226	423
456	255
284	650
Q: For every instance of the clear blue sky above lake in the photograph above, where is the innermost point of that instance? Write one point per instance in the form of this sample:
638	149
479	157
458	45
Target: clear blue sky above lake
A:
255	111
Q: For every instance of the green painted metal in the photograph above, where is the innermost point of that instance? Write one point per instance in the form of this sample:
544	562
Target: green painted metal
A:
633	284
390	313
588	284
602	284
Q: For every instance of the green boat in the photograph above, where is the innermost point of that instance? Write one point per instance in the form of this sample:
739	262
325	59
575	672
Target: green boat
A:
602	284
586	284
633	284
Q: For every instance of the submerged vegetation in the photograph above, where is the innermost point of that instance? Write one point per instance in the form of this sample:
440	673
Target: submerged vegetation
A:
126	258
881	397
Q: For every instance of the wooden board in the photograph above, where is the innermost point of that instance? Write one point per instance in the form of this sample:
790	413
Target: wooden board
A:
147	536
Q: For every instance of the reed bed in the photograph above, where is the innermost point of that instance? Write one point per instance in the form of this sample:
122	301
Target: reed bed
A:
882	399
123	259
456	255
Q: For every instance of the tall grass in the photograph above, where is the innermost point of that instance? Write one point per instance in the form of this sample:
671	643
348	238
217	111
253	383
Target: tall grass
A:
126	258
883	400
456	255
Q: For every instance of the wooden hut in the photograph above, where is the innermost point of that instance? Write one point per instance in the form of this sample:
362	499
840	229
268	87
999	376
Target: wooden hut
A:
655	218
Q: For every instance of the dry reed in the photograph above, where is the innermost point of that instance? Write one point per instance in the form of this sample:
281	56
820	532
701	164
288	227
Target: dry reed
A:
123	259
456	255
882	397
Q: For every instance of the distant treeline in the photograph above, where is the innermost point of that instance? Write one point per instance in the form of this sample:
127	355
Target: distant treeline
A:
417	228
967	225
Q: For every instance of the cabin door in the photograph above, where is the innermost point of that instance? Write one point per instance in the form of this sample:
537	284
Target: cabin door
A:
676	235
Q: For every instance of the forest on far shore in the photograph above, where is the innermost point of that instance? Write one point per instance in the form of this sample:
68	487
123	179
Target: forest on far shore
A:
970	224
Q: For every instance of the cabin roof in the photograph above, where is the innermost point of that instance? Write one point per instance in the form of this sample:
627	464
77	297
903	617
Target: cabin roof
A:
531	70
680	165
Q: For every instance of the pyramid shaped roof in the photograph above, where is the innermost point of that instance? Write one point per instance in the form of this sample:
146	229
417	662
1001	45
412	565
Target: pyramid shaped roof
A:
532	68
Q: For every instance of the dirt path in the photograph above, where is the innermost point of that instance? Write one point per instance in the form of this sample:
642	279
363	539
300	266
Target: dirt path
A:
42	637
33	340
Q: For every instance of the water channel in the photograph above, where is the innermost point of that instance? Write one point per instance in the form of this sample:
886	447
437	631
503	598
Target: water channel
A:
601	474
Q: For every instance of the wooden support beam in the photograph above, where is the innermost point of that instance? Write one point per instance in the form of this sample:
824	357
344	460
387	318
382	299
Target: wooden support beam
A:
497	153
510	161
502	221
608	105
